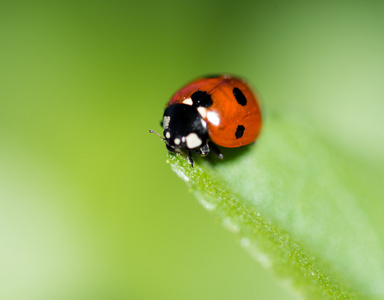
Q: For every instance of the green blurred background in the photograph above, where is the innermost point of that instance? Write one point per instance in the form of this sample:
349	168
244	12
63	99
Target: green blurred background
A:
88	207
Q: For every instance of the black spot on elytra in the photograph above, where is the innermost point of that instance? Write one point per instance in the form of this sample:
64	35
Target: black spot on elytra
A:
239	131
201	98
240	98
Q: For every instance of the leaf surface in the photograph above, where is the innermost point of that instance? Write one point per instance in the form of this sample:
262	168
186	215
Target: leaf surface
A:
287	199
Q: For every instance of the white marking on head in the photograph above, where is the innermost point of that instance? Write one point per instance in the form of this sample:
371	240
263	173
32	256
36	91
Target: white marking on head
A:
166	121
188	101
213	117
193	141
168	135
202	111
177	141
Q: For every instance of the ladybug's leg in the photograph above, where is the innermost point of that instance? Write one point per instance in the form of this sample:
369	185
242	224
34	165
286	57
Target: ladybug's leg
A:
190	159
204	150
216	150
170	149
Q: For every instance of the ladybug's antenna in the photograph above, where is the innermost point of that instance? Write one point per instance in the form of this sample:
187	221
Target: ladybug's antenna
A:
152	131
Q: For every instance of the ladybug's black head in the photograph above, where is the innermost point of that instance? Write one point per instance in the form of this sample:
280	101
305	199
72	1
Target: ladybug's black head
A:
184	127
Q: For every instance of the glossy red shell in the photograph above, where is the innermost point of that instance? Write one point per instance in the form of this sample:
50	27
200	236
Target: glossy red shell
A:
226	114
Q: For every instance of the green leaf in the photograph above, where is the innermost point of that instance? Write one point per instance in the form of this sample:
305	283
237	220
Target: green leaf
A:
293	206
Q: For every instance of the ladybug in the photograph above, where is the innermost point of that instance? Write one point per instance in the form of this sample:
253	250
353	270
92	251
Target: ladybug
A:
217	110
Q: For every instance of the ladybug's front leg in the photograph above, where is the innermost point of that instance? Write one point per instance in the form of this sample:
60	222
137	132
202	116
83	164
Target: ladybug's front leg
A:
190	159
204	150
170	149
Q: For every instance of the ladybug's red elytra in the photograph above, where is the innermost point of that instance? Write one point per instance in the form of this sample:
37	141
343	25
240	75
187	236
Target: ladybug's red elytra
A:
217	110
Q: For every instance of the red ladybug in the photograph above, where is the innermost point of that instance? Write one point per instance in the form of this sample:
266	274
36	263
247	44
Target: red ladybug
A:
219	110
